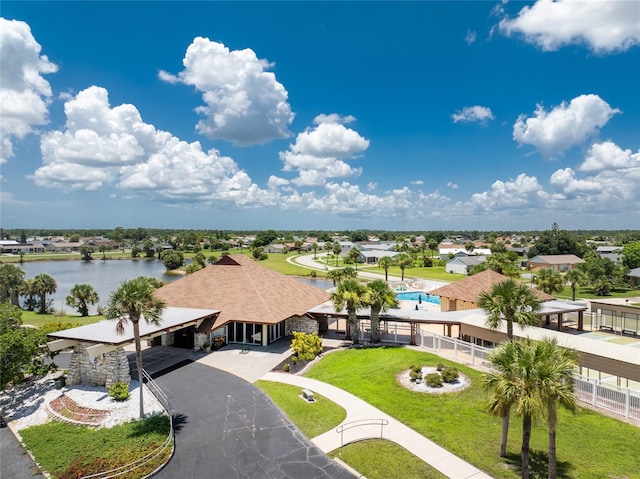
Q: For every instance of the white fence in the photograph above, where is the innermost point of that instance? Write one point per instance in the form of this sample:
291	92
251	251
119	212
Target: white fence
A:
622	401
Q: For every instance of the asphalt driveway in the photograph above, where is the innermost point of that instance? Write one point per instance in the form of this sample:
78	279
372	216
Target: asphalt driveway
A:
227	428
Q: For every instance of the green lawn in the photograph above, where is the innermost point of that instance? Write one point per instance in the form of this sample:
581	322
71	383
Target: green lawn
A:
380	459
67	451
38	320
590	445
312	419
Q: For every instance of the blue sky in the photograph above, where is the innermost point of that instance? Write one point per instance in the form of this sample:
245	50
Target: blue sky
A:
320	115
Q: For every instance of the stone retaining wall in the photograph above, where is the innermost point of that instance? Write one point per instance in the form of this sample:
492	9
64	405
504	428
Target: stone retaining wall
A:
302	324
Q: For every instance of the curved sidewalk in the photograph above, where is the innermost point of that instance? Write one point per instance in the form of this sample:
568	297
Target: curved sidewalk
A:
357	409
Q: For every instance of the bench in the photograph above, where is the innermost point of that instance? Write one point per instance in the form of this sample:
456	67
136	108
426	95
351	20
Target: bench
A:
307	395
629	332
606	328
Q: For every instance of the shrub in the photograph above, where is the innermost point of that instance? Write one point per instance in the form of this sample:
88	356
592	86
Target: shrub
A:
449	375
415	375
294	360
440	366
286	368
434	380
416	369
119	391
306	346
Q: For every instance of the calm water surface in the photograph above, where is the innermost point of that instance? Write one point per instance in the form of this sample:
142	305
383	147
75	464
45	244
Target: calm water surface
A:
105	276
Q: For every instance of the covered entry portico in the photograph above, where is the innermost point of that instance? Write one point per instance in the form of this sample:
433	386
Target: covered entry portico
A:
99	358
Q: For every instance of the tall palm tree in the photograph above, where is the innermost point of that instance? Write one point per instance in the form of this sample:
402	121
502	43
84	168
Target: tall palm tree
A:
11	279
133	300
516	384
514	303
556	387
575	278
28	290
43	285
335	275
385	263
314	248
403	260
337	249
81	296
349	272
380	298
350	294
549	280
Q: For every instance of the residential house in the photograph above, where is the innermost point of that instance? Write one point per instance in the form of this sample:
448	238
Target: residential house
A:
462	264
557	262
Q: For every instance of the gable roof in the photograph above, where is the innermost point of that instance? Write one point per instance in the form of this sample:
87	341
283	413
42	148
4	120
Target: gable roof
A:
243	290
468	289
557	259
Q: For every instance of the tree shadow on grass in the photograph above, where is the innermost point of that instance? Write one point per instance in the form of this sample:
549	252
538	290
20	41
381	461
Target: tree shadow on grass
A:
156	424
539	465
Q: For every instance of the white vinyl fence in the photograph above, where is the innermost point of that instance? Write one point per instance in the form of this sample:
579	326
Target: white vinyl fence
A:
619	400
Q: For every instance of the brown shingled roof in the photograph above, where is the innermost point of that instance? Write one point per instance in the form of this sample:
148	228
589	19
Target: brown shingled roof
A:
243	290
468	289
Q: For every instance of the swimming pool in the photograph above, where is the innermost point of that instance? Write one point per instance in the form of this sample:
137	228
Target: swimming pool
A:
417	296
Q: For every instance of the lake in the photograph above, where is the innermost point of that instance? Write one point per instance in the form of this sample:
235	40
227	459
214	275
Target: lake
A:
105	276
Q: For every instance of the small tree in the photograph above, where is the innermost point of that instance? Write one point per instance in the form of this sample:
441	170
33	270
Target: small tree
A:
306	346
86	252
172	259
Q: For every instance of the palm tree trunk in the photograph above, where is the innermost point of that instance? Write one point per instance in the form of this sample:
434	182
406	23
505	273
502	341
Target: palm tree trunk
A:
552	420
136	335
353	321
526	438
573	293
375	325
505	433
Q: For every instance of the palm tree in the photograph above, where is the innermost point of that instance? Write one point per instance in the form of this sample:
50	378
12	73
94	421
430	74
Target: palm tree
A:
336	251
314	248
134	299
380	298
385	263
11	279
28	290
575	278
556	387
433	245
549	280
43	285
514	303
516	383
349	272
81	295
350	294
403	260
335	275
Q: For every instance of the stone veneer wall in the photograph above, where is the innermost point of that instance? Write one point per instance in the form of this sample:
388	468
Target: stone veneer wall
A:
199	339
302	324
113	367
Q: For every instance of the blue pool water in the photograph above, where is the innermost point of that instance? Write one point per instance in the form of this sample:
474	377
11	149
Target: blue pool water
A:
417	296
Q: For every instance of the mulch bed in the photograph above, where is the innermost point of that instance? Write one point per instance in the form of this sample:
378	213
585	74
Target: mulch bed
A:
68	408
295	367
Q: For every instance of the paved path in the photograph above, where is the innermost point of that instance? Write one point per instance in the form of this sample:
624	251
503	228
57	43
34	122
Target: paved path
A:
357	409
307	261
228	428
15	463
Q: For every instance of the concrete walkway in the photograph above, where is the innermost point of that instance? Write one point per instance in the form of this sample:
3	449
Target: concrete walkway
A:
357	409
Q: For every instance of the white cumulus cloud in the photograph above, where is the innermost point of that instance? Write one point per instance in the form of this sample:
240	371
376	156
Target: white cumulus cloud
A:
604	26
244	103
523	192
608	155
319	153
555	131
104	146
24	93
476	114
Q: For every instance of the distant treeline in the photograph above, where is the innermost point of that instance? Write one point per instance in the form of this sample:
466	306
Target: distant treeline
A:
139	234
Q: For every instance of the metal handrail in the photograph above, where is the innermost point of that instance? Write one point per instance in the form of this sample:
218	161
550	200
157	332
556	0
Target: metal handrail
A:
358	423
169	442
